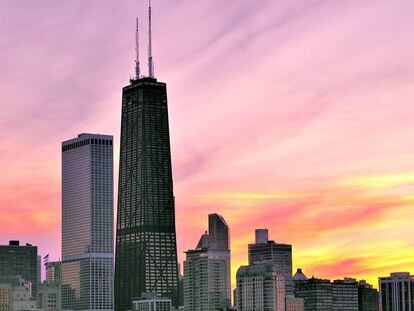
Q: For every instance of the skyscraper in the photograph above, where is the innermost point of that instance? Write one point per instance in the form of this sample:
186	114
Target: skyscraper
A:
207	269
397	292
19	260
316	293
87	223
264	250
146	253
367	297
345	295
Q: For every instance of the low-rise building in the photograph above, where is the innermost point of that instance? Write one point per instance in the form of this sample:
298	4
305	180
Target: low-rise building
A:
151	302
294	304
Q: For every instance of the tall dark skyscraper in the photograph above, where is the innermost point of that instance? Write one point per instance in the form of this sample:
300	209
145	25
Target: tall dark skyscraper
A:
146	252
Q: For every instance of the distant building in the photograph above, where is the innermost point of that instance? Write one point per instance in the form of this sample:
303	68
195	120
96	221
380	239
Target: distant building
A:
54	272
49	297
264	250
294	304
5	296
151	302
345	295
16	259
260	287
87	223
397	292
207	270
317	294
367	297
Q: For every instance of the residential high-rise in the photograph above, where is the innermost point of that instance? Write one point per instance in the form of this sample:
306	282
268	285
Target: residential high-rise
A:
207	269
397	292
146	252
264	250
345	295
260	287
367	297
18	260
87	223
316	293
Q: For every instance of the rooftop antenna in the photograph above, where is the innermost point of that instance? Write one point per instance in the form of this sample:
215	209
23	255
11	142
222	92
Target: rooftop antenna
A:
137	73
150	62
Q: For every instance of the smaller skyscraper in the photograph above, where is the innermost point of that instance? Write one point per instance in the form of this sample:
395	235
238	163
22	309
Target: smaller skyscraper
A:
367	297
87	223
17	260
260	287
397	292
207	270
264	250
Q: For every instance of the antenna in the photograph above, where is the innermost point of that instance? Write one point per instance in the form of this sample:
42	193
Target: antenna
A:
137	73
150	62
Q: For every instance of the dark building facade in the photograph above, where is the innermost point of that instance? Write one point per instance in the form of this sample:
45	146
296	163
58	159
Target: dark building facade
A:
19	260
146	253
367	297
218	231
264	250
316	293
345	295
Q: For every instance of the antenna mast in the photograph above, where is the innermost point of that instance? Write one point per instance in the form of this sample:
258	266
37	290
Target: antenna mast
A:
150	62
137	73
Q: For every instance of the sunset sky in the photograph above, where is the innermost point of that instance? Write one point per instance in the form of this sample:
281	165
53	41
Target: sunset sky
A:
297	116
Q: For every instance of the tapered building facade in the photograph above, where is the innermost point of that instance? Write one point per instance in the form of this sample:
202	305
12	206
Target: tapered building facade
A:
87	223
146	254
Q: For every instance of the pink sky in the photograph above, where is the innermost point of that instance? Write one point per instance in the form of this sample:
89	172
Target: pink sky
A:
297	116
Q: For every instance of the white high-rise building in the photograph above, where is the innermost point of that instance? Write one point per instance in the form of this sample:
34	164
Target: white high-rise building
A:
260	287
397	292
87	223
207	270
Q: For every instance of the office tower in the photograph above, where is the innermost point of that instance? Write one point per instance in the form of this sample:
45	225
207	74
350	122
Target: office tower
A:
218	232
16	294
316	293
295	304
146	252
207	269
87	223
54	272
17	260
260	287
367	297
345	295
397	292
151	302
264	250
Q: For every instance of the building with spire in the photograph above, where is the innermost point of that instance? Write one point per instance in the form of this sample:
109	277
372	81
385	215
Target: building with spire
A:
146	251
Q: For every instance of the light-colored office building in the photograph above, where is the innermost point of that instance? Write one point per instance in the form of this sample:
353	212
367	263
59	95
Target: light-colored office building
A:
397	292
294	304
260	287
151	302
207	270
87	223
265	250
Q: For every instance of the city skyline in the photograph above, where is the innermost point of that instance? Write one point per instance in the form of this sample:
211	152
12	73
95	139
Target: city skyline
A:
316	147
